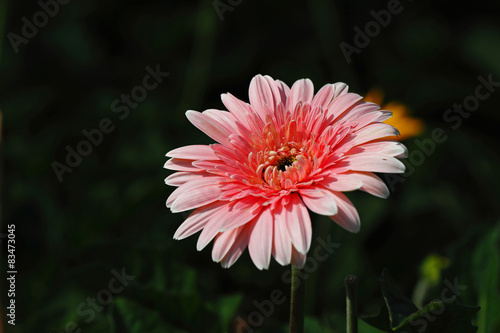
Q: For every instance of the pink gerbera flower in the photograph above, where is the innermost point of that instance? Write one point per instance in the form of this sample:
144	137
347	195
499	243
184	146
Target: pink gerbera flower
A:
286	151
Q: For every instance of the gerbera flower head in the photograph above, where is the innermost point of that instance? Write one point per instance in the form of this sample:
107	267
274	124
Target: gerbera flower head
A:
285	152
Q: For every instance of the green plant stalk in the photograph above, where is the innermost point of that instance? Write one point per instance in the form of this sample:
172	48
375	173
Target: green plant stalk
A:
351	304
297	302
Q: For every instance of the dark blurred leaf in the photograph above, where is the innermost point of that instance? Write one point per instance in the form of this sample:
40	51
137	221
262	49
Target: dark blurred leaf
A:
225	308
487	271
401	315
399	306
138	319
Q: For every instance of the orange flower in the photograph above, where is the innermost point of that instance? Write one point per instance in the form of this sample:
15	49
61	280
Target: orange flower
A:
401	119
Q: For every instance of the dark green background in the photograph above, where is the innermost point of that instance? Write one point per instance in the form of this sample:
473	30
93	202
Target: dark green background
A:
109	213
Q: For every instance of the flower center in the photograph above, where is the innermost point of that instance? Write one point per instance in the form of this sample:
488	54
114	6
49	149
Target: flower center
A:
285	167
284	162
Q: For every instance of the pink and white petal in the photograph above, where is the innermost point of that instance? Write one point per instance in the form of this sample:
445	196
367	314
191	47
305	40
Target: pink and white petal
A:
173	196
211	228
319	200
282	245
373	132
261	239
192	184
298	223
243	212
223	243
224	118
302	91
324	96
298	259
237	249
178	164
374	162
389	148
341	104
181	177
193	152
197	220
208	126
261	95
340	88
342	182
274	89
236	106
373	184
194	197
360	108
284	91
347	216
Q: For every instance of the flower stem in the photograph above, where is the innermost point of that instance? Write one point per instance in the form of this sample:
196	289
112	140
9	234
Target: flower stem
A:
351	304
297	302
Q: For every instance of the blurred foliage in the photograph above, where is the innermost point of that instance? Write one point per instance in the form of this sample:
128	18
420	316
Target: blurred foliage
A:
109	212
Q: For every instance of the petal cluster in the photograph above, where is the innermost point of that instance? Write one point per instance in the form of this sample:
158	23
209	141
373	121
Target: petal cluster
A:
287	151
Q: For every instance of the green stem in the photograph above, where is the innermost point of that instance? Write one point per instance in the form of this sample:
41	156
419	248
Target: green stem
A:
297	301
351	304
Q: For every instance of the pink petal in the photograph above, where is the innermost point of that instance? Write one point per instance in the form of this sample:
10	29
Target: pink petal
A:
360	108
374	162
177	164
373	184
261	239
390	148
374	132
324	96
208	126
240	244
223	118
298	259
341	104
197	193
244	211
342	182
193	152
302	91
347	216
211	228
237	107
282	245
298	223
340	88
319	200
223	244
180	178
197	220
262	95
173	196
284	91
